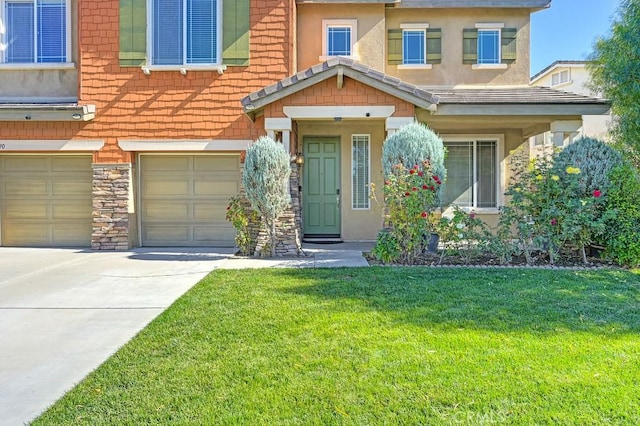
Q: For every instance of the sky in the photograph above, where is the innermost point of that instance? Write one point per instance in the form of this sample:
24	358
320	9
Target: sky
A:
567	30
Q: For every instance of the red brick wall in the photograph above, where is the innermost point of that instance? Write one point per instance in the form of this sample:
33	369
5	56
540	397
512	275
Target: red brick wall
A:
353	93
166	105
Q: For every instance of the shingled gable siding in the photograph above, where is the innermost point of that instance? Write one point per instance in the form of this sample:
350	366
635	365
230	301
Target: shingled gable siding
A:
235	32
470	45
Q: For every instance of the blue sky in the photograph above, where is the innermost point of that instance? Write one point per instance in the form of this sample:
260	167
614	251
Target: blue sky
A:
567	30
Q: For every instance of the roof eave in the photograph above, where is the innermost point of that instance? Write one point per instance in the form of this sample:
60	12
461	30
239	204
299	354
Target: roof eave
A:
524	109
29	112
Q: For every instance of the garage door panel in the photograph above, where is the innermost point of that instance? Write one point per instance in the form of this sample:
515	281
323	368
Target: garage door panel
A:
28	235
220	164
69	187
187	206
26	187
17	209
165	187
27	163
69	235
69	210
70	164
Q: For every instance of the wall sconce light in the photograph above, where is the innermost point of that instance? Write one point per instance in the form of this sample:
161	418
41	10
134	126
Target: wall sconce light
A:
299	159
76	116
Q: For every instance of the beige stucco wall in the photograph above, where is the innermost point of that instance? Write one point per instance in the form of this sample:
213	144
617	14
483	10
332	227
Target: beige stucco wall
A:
47	84
356	224
452	71
371	38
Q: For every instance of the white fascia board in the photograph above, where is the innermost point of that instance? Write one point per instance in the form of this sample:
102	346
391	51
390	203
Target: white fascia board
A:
566	126
50	145
330	112
277	124
183	145
516	109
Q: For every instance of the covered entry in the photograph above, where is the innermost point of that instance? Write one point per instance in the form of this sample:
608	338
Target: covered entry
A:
46	200
183	199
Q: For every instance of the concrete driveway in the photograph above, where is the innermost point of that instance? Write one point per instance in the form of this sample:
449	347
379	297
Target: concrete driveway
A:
64	312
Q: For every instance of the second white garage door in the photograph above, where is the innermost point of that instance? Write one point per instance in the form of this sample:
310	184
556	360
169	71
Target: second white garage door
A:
184	199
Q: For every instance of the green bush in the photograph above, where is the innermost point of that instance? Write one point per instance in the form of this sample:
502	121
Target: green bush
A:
241	218
265	178
622	236
594	158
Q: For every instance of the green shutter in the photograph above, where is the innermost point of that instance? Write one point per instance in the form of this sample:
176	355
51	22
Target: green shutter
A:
235	32
133	33
509	45
394	47
434	45
470	46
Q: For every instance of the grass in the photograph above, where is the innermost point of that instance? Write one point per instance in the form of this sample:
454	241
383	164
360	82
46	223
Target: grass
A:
378	346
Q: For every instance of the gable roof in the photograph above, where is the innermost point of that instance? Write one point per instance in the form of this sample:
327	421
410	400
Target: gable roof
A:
517	100
557	64
339	66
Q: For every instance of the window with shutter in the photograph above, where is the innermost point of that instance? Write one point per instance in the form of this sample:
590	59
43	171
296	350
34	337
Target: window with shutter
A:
489	46
360	171
414	46
36	31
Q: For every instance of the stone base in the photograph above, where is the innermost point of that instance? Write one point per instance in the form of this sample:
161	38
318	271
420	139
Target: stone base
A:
111	225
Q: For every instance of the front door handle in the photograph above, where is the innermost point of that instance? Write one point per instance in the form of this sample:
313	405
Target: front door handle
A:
338	198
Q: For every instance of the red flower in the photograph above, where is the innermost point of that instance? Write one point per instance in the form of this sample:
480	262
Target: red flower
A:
228	207
424	214
597	193
387	182
472	215
420	174
414	189
433	188
406	194
415	166
411	171
425	187
553	222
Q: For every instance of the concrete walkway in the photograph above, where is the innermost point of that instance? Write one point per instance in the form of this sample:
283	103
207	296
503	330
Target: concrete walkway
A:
64	312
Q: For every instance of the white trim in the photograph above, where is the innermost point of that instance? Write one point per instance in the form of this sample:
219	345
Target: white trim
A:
332	112
368	136
394	123
489	66
415	66
340	23
38	66
566	126
50	145
277	124
183	145
501	164
489	25
418	26
220	69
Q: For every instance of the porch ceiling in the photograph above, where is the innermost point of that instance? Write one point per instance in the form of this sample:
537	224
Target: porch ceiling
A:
47	112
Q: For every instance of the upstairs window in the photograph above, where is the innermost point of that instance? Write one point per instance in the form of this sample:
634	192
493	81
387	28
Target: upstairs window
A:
414	46
185	32
338	38
560	77
489	46
35	31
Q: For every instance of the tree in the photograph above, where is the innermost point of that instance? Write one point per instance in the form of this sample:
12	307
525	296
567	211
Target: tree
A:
615	72
265	178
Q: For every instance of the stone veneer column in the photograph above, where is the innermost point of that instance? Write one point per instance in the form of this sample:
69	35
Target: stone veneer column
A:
111	194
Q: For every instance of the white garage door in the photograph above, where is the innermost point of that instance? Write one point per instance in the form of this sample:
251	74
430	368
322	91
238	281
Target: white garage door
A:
46	200
184	199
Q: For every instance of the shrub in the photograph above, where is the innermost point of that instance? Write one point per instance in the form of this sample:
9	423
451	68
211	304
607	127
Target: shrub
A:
411	145
265	178
622	236
594	158
241	218
463	232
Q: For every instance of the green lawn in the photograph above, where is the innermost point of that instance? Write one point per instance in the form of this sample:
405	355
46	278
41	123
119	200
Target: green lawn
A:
379	346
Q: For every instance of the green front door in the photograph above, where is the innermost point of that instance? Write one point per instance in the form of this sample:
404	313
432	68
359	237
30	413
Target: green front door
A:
321	187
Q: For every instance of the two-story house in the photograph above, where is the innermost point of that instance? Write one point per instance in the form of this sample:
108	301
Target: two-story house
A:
123	123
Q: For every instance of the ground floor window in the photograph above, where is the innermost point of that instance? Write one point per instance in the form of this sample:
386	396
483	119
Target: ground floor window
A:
472	174
360	171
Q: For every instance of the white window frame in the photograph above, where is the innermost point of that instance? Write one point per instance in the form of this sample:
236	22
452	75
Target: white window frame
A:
493	26
339	23
353	160
500	168
184	67
67	64
561	82
415	27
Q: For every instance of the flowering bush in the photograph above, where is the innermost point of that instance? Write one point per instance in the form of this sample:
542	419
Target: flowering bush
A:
240	218
463	233
548	210
410	196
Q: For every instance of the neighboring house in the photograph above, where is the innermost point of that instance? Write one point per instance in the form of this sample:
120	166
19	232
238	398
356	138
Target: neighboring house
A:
573	77
123	123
